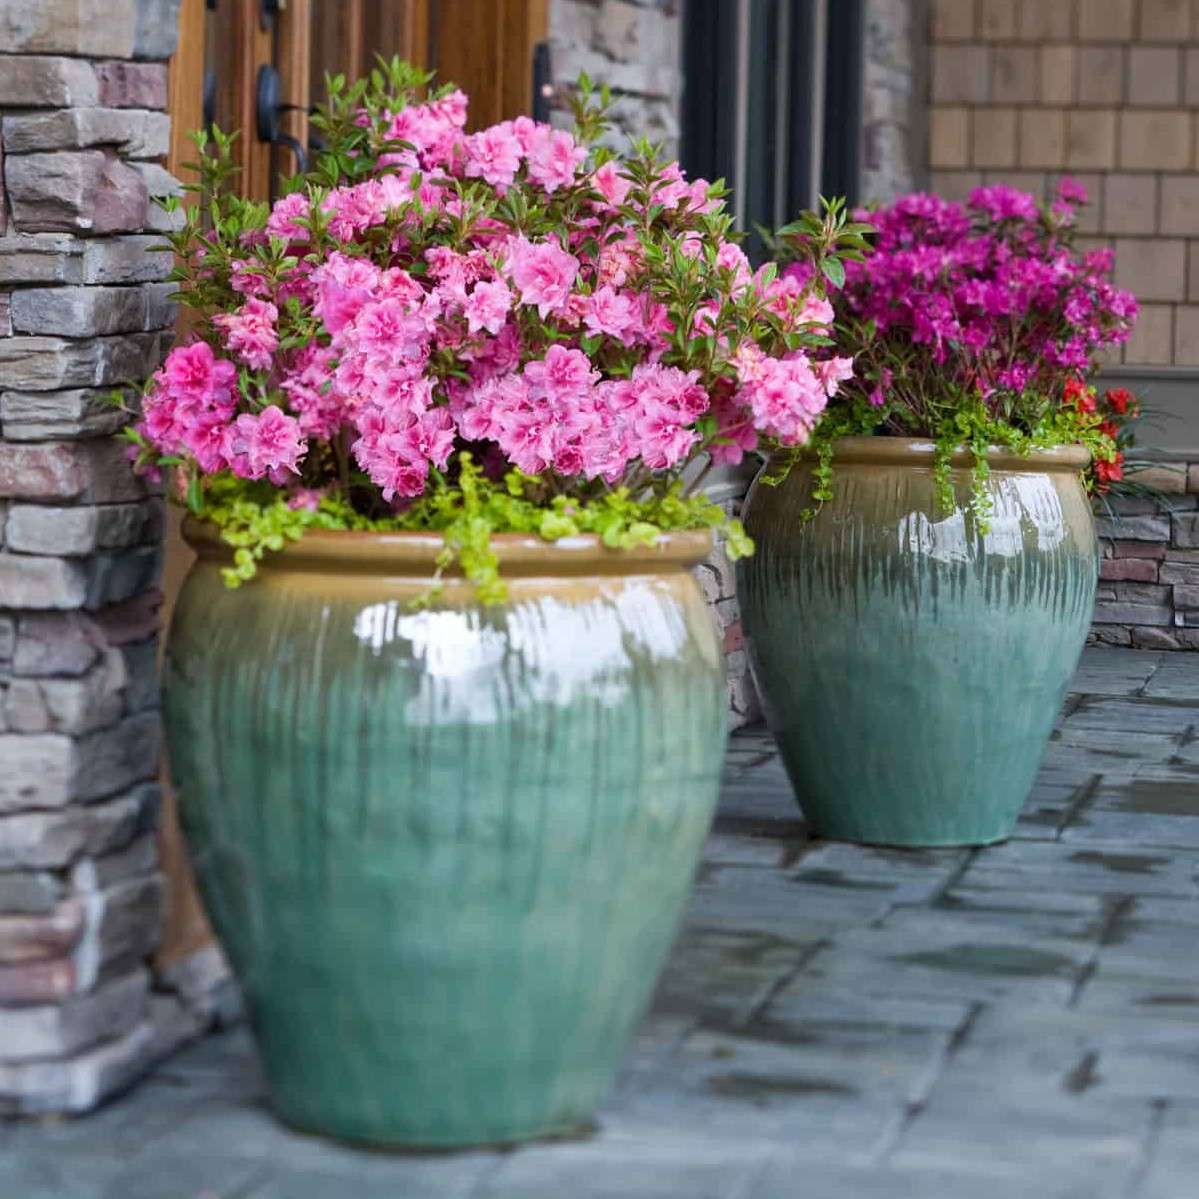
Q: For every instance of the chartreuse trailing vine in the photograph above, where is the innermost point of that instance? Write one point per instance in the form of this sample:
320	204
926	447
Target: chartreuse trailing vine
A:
255	519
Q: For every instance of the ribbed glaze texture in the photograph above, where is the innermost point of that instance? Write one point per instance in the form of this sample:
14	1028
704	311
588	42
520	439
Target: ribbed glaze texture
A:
446	851
910	665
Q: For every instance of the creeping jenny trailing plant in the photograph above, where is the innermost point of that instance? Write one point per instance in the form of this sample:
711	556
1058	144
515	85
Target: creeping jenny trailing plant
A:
977	325
512	330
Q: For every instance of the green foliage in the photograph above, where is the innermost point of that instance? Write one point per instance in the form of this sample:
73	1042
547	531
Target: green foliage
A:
255	519
970	427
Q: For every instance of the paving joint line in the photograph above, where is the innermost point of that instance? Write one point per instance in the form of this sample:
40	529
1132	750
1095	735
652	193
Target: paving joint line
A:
1116	907
758	1004
1144	1159
929	896
1139	693
1185	738
1078	802
906	1116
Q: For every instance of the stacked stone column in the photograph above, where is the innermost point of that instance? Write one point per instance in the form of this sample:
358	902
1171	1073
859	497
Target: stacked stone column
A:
84	307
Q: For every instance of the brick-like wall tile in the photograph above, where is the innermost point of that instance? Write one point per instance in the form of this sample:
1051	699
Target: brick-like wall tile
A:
1042	137
1186	335
1101	75
1165	20
1036	183
1104	20
1046	20
1151	343
994	137
1190	70
961	74
1130	203
1154	76
1180	204
1014	75
954	185
949	137
1091	139
1152	268
1193	272
997	19
1057	74
952	20
1155	140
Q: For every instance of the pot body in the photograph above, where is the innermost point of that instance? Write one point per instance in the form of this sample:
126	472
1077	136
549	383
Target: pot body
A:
446	850
912	666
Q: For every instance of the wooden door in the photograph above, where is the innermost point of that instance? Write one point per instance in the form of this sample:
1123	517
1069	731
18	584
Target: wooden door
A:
485	46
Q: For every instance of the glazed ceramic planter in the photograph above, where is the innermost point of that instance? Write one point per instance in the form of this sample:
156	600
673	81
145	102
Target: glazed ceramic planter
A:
910	665
446	850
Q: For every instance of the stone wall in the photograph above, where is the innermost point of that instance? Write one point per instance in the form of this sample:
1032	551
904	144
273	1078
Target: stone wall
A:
83	306
894	117
635	47
1149	575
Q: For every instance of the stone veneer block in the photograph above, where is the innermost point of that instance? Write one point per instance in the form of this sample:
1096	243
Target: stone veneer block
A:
85	191
135	133
132	84
36	81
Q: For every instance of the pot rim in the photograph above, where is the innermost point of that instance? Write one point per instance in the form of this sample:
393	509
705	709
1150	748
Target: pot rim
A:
920	451
342	551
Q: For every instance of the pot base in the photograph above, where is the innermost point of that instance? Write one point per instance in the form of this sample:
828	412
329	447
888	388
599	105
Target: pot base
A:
398	1147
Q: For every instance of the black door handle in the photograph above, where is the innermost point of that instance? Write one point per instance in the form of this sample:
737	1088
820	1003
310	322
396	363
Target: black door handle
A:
268	109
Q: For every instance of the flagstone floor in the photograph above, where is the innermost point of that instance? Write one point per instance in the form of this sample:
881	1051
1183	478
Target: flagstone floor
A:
835	1022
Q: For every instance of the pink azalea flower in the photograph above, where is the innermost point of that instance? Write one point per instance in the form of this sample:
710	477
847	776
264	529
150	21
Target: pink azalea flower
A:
554	158
494	155
612	313
267	443
487	307
543	273
250	332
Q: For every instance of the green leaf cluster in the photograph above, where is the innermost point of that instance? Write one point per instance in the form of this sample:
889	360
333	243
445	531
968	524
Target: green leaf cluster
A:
467	509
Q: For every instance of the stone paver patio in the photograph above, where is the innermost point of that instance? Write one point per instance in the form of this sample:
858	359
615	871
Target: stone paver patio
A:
835	1022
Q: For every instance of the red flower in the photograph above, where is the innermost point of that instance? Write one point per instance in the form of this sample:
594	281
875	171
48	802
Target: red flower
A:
1110	428
1107	473
1076	392
1120	399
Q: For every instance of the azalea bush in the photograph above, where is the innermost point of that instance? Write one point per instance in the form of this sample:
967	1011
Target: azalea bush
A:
511	330
976	324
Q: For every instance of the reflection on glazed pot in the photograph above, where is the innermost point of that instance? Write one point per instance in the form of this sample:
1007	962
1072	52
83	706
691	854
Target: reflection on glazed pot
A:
445	849
910	664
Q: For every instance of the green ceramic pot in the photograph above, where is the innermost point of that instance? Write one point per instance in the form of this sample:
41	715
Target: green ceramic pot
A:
911	666
445	850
